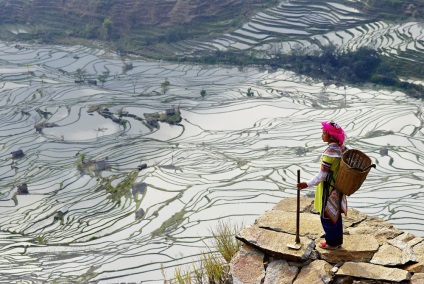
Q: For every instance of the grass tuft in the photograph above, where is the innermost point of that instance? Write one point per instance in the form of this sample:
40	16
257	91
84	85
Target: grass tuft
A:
214	268
213	265
223	240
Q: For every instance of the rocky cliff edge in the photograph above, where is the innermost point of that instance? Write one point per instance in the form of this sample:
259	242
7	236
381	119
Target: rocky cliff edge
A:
373	250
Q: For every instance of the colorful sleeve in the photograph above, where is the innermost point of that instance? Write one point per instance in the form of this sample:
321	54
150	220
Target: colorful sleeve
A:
326	163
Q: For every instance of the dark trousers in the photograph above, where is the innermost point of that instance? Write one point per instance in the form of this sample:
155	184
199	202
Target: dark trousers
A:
333	232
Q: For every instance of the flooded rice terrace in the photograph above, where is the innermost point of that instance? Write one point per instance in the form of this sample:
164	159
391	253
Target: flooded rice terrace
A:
66	213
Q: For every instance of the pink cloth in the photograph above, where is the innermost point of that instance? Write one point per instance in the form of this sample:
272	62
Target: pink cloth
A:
335	130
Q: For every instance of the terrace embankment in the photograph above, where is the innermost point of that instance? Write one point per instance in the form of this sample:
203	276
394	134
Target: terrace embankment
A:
373	250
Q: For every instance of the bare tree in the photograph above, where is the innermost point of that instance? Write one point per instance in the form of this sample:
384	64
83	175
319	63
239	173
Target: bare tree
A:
134	80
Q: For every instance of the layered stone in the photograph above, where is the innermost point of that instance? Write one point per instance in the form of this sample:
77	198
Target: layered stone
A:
276	243
394	253
358	248
282	221
353	217
419	252
317	272
372	271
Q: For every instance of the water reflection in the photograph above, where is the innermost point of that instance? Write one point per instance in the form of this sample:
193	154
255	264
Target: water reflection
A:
230	157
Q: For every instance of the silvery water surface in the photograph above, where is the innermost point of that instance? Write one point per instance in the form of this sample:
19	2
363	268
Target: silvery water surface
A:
231	158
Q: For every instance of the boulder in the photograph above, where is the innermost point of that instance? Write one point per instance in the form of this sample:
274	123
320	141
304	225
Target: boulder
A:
275	243
317	272
355	248
417	278
394	253
279	271
419	252
247	266
281	221
372	271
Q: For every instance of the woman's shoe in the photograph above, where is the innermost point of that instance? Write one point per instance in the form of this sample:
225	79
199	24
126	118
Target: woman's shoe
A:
325	246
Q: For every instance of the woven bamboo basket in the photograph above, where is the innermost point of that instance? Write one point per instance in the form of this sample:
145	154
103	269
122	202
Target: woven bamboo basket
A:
354	168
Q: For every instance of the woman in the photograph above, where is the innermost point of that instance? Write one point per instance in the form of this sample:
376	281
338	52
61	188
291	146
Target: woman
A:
329	202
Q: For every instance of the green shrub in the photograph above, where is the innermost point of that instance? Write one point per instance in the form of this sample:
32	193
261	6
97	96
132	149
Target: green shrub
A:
224	241
213	265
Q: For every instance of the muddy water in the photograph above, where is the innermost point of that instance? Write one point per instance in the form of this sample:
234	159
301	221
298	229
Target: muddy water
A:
231	157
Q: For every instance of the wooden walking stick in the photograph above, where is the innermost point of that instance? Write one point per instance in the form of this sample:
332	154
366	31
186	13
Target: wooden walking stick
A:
297	245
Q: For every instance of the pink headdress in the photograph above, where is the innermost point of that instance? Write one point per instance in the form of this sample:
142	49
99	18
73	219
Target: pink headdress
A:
335	130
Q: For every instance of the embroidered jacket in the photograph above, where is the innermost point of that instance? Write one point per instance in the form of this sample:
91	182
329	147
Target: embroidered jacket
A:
330	161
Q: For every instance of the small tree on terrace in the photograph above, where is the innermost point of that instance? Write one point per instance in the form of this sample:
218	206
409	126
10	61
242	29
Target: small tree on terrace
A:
165	86
103	78
81	74
134	81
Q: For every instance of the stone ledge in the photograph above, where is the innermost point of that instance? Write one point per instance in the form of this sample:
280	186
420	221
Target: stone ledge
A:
396	257
279	221
394	253
358	248
372	271
275	243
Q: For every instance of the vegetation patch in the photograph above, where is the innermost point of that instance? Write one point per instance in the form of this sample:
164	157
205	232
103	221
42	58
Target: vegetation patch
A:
170	224
122	189
213	264
171	116
394	9
364	65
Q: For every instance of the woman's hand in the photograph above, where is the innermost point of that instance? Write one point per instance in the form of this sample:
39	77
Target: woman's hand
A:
302	185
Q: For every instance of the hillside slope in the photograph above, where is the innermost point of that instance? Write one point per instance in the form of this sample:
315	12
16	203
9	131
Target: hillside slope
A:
124	12
176	27
146	20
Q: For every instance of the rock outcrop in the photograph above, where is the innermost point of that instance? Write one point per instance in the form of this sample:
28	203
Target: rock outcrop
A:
373	251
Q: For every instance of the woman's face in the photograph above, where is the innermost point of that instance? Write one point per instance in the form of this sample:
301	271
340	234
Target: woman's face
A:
327	138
